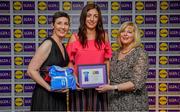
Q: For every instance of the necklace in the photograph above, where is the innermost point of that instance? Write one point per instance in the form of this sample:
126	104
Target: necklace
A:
126	52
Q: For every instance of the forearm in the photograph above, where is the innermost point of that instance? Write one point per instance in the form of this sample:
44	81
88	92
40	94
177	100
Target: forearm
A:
107	62
38	79
127	86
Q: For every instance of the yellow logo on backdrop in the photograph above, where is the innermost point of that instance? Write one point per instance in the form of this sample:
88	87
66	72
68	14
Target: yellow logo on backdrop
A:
115	6
68	35
18	33
17	5
163	73
18	74
17	19
42	33
42	5
115	46
163	87
164	19
115	19
114	33
18	47
19	88
90	1
139	19
67	6
42	19
163	100
162	111
163	46
164	5
164	32
163	60
19	101
141	33
18	60
139	5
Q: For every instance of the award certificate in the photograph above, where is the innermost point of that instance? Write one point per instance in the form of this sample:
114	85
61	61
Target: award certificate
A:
92	76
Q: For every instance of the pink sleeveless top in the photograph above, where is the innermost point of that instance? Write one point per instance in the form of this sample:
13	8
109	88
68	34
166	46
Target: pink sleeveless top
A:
88	55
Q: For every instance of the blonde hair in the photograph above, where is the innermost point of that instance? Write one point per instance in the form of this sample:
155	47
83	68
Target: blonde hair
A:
137	38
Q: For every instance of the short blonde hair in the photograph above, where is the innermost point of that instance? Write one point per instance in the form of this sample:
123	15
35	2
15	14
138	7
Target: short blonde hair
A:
137	38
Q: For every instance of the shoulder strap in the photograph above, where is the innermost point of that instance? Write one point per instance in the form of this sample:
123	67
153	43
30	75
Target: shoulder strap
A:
49	38
46	39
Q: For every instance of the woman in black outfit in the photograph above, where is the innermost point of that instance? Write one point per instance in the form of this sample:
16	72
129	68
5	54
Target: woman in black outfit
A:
50	52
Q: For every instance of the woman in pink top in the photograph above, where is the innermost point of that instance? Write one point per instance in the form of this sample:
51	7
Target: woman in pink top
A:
89	46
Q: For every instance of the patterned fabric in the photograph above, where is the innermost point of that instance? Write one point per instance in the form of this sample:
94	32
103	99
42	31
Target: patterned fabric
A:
88	99
134	68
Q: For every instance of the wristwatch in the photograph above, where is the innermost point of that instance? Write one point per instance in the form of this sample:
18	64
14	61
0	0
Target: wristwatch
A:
115	88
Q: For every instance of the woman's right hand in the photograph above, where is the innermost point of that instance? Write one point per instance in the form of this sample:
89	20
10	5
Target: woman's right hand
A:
77	85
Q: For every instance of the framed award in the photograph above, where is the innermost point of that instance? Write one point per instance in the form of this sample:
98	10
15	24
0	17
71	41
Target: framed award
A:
92	76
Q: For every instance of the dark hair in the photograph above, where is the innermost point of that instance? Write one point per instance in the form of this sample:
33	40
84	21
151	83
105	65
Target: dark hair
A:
100	33
60	14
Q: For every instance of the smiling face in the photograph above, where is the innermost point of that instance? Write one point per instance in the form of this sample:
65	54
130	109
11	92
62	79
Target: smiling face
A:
127	36
61	27
92	19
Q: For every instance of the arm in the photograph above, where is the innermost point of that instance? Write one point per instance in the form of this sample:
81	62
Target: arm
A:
140	71
107	61
68	48
38	59
71	55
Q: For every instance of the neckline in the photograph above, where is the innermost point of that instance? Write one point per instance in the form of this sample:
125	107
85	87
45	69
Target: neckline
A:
126	56
129	51
90	39
64	57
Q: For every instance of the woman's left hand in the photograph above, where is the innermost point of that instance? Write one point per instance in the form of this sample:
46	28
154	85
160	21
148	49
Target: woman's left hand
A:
104	88
62	91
